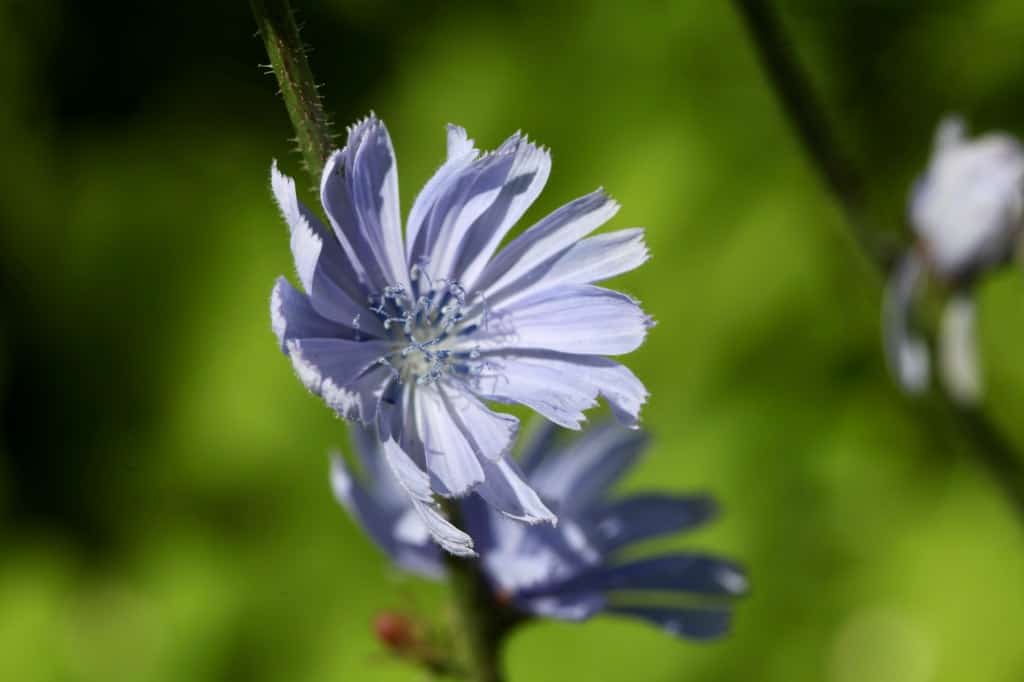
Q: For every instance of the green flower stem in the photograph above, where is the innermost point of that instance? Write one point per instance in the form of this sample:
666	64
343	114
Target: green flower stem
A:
482	623
276	24
996	453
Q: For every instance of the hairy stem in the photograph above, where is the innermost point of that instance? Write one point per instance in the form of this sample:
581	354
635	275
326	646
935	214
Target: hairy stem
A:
996	453
482	623
276	24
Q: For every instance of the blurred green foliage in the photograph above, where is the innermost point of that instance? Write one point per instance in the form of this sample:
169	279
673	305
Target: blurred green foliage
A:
166	514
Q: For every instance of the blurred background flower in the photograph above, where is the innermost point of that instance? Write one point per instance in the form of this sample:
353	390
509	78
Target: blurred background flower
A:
165	514
578	569
966	211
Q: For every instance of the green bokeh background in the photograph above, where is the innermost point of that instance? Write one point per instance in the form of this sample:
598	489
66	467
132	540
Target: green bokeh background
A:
164	508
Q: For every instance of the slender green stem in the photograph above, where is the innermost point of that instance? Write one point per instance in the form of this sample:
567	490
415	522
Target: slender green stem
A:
482	622
808	118
276	24
997	453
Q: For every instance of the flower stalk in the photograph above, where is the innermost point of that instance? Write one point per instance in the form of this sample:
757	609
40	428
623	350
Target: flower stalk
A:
482	623
276	23
480	620
774	50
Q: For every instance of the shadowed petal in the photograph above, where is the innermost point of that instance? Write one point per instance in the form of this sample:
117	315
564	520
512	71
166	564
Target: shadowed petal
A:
505	490
346	374
388	524
292	316
322	267
613	525
696	573
693	623
571	607
582	472
359	190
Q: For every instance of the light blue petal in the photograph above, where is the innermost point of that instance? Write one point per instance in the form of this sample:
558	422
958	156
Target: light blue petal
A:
560	387
416	483
545	240
450	457
461	155
576	319
591	260
465	216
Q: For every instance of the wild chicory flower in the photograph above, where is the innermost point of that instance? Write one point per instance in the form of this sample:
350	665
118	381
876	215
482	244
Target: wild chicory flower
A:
410	334
575	570
967	213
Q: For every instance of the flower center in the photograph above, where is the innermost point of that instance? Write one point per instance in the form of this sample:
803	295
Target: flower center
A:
425	324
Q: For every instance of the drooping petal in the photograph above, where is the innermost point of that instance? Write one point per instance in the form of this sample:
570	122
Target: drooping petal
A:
346	374
958	353
504	489
547	239
359	190
906	353
692	623
692	573
614	525
387	524
417	484
577	319
560	387
582	473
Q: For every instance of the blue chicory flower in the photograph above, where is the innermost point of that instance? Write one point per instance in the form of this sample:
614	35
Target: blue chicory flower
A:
575	570
411	334
967	214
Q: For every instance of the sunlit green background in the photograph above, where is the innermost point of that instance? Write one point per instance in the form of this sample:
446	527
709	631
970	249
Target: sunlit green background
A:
164	508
